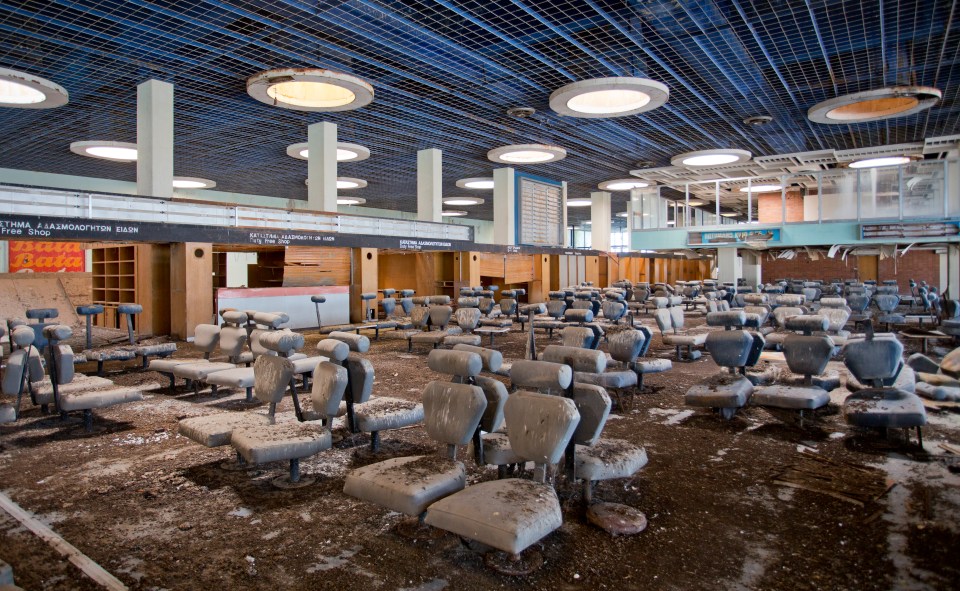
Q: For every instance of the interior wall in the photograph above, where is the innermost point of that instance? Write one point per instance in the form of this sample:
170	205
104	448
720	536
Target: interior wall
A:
919	265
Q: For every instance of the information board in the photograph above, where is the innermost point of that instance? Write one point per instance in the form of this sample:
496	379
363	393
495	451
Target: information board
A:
540	208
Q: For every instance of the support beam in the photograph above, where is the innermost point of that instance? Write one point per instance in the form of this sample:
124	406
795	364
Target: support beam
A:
727	264
429	185
364	279
191	287
504	206
600	221
752	267
540	286
950	272
322	167
155	139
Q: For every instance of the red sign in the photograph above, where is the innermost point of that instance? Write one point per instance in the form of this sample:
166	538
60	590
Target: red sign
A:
46	257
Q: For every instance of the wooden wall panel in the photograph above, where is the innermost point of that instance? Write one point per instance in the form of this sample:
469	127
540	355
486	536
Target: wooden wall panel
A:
310	265
191	287
519	268
365	279
592	270
492	264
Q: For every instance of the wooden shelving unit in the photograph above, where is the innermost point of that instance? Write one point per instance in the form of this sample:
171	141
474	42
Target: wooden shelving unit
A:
132	274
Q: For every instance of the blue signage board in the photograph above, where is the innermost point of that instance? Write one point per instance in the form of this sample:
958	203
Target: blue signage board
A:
736	236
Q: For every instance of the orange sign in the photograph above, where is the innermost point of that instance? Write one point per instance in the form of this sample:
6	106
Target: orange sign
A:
46	257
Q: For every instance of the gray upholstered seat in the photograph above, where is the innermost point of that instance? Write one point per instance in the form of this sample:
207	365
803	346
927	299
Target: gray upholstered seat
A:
511	514
726	391
670	321
215	430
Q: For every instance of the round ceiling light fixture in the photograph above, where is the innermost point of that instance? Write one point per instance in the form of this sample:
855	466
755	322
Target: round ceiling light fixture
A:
453	213
309	89
345	182
345	152
25	91
462	201
579	202
478	182
116	151
875	105
192	182
527	154
350	200
609	97
622	185
878	162
761	188
710	157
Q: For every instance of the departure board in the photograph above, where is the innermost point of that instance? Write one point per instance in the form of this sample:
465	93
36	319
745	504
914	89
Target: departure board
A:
540	221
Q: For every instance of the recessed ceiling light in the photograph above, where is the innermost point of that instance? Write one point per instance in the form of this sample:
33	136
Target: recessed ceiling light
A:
462	201
760	188
527	154
622	214
696	202
350	201
729	214
875	105
345	152
479	182
670	222
710	157
309	89
453	213
579	202
25	91
345	182
622	185
116	151
190	182
609	97
587	222
878	162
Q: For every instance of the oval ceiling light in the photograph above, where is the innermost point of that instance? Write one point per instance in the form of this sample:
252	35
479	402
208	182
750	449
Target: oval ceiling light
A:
710	157
609	97
695	203
345	152
453	213
761	188
527	154
191	182
622	214
25	91
478	182
579	202
116	151
878	162
462	201
875	105
729	214
309	89
350	201
345	182
622	185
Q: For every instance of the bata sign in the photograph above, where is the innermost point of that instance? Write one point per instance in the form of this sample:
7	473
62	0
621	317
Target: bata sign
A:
46	257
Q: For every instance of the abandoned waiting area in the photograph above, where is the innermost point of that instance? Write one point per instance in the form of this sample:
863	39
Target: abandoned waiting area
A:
450	295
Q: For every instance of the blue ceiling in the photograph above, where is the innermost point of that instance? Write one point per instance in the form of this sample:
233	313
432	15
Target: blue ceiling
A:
445	72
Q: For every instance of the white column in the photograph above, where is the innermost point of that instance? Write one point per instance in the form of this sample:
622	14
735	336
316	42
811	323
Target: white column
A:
504	206
563	212
322	167
752	267
950	272
600	221
155	139
727	264
429	185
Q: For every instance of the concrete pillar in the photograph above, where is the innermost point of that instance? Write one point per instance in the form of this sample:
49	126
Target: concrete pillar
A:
191	287
752	267
563	212
365	277
322	167
950	272
155	139
504	206
600	221
429	185
727	264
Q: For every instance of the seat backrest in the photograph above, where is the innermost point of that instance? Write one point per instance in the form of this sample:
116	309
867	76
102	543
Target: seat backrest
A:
467	318
468	302
781	314
763	312
361	378
540	375
539	425
462	364
206	337
508	306
256	347
492	359
496	395
676	318
486	305
873	360
662	316
451	412
389	306
836	316
407	305
232	339
790	299
613	310
419	316
807	355
271	377
358	343
577	336
329	384
626	345
593	403
440	316
730	348
333	350
858	302
585	360
886	302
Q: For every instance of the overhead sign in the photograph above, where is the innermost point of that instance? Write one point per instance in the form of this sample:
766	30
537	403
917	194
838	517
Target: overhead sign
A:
761	235
27	256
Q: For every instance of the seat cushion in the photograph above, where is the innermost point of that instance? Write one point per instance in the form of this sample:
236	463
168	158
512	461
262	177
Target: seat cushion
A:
215	430
654	365
199	371
496	322
720	391
239	377
382	414
693	340
167	365
109	354
271	443
43	391
159	349
408	485
99	398
306	364
509	514
463	339
608	379
884	407
433	337
792	397
608	459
